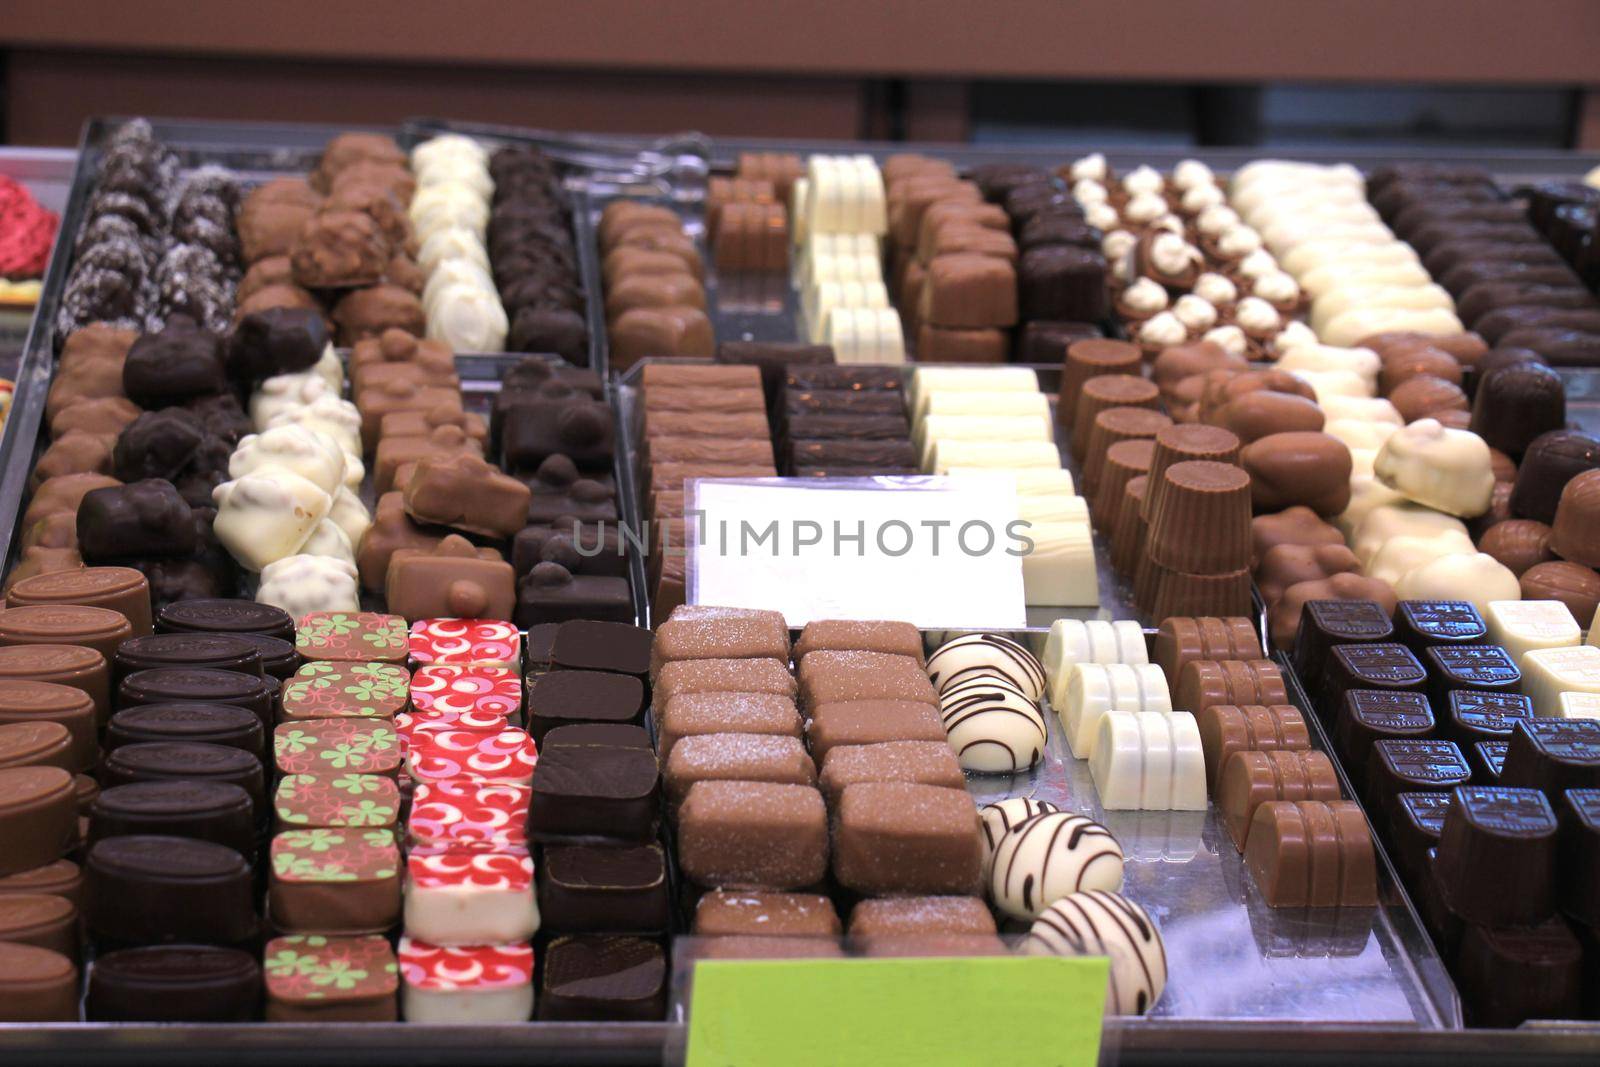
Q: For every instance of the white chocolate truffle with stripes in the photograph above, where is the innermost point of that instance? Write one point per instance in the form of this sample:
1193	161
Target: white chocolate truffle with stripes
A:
1096	641
1098	923
1093	690
1003	816
992	726
986	656
1049	857
1149	761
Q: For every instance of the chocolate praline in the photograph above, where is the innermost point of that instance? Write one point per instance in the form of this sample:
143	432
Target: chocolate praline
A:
1576	586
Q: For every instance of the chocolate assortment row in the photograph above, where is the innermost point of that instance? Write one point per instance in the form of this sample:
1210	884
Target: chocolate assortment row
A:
654	277
533	256
450	217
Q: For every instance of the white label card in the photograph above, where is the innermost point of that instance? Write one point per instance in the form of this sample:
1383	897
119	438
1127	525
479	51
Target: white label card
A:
943	553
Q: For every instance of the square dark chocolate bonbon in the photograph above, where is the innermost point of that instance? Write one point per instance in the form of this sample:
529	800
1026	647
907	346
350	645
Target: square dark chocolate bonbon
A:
595	791
1509	975
1390	667
1554	755
588	977
1496	858
1488	668
1420	624
1369	715
1488	759
560	698
1578	863
1475	716
1063	282
1325	623
604	889
585	644
1418	819
1396	767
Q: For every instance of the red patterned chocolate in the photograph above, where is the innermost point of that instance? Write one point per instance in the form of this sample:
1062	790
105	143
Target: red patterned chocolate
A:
466	643
327	746
332	690
314	977
334	881
456	688
439	968
354	636
468	869
466	813
336	801
414	722
506	756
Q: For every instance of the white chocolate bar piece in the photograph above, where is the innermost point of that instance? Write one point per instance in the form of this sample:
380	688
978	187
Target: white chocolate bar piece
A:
1549	672
1520	626
1074	641
1094	690
1060	570
1150	761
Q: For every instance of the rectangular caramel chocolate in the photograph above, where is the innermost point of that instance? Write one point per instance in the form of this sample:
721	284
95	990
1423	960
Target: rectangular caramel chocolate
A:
670	477
1251	779
922	762
873	455
705	399
703	424
757	914
699	375
840	403
756	449
756	835
720	633
1181	639
736	758
1312	854
830	676
1227	728
724	676
693	714
920	916
902	838
828	426
870	722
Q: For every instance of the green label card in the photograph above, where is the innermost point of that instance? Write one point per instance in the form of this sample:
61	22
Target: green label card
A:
897	1012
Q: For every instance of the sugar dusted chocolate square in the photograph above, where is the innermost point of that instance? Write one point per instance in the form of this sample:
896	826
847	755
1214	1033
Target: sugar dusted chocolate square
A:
901	838
465	643
336	746
724	676
828	677
922	762
335	881
317	978
755	835
871	722
693	714
358	636
765	915
333	690
921	916
704	632
336	801
737	758
855	635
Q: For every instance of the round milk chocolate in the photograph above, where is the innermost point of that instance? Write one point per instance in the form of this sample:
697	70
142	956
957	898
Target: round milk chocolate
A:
36	744
206	810
1517	544
214	615
25	701
150	761
40	919
1573	534
65	624
38	817
37	985
174	984
223	652
1550	462
217	724
120	589
152	889
1576	586
166	684
62	878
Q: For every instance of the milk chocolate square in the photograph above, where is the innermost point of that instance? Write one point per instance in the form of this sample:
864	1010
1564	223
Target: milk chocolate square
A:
903	838
736	757
693	714
846	635
762	914
870	722
831	677
921	762
756	835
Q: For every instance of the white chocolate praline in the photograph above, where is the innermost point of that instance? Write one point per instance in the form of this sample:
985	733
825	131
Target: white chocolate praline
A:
1172	255
350	515
328	539
1472	576
1094	641
1093	690
1438	466
443	207
1101	216
1144	208
448	145
1579	705
338	418
1003	816
1097	923
1370	409
468	319
1117	244
1398	556
1200	198
1149	761
1191	173
331	368
1059	571
268	515
301	450
1367	494
303	584
1238	242
1050	856
1398	517
1320	357
986	655
1163	329
1520	626
991	726
458	271
1549	672
1144	297
1215	289
1216	220
1294	333
1088	192
1335	383
1257	318
451	242
1276	287
1092	166
286	392
466	174
1143	179
1231	339
1196	313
